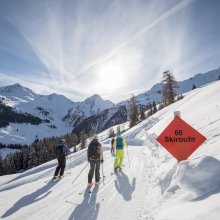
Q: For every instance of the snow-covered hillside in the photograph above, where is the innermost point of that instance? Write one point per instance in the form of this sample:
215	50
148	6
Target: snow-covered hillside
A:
154	186
155	93
62	114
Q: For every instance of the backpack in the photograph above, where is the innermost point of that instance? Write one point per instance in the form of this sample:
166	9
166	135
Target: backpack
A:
94	150
59	151
119	143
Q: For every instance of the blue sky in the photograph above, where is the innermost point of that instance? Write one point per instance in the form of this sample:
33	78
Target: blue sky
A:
113	48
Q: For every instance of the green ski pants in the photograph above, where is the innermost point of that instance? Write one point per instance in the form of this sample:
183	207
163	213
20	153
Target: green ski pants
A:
119	158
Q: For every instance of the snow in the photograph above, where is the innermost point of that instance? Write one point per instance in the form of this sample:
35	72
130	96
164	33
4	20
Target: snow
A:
155	186
194	175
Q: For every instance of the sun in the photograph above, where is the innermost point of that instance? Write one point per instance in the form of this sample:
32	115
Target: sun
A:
111	77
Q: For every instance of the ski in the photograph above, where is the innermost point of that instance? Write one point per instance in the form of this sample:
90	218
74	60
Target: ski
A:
54	180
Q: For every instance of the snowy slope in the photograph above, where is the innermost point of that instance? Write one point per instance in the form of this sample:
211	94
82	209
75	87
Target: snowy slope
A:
153	187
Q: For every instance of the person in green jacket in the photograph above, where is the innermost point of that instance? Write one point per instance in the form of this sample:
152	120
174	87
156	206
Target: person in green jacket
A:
119	144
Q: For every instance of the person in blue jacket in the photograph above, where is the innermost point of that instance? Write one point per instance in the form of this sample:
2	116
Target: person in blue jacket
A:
61	151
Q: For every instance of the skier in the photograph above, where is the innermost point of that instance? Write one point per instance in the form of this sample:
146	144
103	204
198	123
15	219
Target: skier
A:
112	146
95	157
61	152
119	144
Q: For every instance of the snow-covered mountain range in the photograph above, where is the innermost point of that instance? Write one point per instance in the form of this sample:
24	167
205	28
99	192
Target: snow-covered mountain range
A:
60	115
152	184
119	113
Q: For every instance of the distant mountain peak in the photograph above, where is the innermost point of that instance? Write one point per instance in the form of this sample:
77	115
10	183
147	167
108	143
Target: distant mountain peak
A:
95	96
16	85
17	91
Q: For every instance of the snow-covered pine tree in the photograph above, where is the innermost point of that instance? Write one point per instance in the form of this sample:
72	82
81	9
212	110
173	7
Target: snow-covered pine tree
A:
169	88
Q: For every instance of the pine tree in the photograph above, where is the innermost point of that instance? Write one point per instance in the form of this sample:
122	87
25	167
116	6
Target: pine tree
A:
142	115
219	77
82	140
1	165
193	86
133	111
150	111
118	128
111	133
74	140
154	107
169	88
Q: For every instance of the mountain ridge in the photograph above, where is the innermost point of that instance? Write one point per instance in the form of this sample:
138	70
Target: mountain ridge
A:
62	115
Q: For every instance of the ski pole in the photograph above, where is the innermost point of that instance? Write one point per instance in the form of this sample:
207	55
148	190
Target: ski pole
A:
80	172
128	158
103	174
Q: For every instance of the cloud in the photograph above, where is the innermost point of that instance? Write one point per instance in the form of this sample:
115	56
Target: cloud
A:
78	46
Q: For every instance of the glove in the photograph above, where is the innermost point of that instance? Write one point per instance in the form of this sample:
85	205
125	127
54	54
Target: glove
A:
101	160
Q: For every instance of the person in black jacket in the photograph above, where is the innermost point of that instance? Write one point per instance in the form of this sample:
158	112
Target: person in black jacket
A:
61	152
95	156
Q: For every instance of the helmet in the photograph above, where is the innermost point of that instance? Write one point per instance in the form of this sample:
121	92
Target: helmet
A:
62	140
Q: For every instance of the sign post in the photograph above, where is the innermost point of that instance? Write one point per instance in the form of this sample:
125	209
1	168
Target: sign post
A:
180	139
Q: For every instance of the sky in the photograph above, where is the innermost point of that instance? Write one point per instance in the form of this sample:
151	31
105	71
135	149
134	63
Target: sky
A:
112	48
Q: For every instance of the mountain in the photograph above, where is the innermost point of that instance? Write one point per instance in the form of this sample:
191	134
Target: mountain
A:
59	114
105	119
119	114
152	184
81	110
17	93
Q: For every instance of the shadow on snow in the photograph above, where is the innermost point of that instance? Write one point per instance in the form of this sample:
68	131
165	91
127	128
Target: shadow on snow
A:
29	199
88	209
123	185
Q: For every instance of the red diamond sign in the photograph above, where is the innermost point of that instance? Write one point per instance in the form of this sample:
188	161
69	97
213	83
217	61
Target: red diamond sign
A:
180	139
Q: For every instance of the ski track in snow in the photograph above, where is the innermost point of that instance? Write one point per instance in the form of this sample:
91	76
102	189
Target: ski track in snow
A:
122	192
